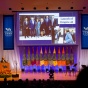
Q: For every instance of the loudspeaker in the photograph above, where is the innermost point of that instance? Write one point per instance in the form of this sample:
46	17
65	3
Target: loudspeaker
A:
15	75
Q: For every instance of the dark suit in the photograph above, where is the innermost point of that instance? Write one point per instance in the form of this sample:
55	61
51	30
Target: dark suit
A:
32	28
47	26
42	26
53	23
26	28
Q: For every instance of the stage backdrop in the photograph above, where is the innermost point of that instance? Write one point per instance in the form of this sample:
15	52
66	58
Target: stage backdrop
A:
82	55
8	32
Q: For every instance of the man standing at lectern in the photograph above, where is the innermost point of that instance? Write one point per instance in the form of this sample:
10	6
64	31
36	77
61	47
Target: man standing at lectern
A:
3	60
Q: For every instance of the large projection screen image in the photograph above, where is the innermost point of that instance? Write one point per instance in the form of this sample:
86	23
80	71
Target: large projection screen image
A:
47	28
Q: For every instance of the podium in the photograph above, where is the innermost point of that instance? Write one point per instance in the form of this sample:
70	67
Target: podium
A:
5	68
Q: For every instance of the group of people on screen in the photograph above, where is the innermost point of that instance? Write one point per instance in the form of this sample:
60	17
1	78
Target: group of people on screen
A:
38	26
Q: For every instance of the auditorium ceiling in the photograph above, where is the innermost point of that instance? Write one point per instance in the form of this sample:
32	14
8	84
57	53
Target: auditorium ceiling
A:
11	6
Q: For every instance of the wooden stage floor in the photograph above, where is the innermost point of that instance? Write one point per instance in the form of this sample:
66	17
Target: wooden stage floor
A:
45	76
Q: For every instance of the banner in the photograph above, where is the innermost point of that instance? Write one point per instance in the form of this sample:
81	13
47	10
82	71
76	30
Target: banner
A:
84	31
8	32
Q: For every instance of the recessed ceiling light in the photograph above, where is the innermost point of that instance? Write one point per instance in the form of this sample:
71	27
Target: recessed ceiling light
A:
59	7
10	8
22	8
47	8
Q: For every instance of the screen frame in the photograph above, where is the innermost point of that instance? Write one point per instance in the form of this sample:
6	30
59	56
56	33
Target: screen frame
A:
21	43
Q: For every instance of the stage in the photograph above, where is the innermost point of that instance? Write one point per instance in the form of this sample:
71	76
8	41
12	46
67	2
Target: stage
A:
41	75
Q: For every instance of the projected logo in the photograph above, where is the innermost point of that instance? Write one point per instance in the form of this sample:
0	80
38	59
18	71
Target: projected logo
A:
85	31
8	32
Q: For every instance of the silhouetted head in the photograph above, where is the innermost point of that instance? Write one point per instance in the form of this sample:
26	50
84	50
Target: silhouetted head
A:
2	58
26	80
82	78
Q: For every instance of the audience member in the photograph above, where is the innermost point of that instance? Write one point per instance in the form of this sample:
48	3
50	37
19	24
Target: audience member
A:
82	79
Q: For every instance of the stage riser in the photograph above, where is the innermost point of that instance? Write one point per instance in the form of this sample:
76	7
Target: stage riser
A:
46	68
